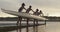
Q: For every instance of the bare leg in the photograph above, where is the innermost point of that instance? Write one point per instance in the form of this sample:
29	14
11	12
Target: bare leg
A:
45	23
37	26
27	30
19	20
17	24
34	26
20	23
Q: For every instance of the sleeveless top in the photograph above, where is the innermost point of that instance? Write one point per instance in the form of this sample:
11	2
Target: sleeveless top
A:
20	9
28	10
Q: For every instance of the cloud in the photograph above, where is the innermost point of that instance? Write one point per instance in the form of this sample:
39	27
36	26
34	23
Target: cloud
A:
45	5
9	4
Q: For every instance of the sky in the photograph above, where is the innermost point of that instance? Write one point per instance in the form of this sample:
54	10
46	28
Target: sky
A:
49	7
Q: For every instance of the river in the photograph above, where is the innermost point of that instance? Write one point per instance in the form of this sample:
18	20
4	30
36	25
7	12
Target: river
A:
49	27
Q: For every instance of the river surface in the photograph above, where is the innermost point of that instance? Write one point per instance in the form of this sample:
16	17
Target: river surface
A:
49	27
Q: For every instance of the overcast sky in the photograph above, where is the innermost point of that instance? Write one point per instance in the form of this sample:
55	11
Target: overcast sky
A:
49	7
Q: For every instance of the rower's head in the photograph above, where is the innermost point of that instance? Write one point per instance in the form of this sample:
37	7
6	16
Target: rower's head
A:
30	6
23	4
37	10
40	11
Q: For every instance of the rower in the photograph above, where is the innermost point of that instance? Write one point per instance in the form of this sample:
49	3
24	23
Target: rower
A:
35	27
27	11
19	17
41	13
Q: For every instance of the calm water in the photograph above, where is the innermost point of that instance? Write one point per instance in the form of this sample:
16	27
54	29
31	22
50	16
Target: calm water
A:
49	27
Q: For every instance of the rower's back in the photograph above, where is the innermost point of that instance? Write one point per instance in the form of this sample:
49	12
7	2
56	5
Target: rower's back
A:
36	13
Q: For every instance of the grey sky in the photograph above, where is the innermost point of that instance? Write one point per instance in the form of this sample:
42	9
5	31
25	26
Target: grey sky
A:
49	7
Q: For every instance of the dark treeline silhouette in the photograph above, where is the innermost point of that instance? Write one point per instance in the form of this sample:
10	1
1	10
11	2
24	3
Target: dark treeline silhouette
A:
15	18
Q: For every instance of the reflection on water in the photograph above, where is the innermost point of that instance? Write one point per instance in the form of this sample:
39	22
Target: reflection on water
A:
40	29
50	27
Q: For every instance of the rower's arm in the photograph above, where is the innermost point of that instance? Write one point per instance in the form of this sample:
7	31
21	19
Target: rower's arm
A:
25	8
32	10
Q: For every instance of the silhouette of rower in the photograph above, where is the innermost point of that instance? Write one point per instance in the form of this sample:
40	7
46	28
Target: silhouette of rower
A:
19	17
29	9
41	13
21	8
36	27
36	13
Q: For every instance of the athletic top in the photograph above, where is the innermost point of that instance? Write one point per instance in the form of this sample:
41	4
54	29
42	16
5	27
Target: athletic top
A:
28	10
20	9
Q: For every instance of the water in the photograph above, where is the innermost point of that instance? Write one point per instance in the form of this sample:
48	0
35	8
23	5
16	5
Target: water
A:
50	27
53	27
